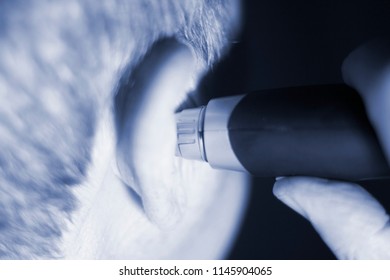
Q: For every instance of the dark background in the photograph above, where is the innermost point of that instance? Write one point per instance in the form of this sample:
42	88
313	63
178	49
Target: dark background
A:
290	43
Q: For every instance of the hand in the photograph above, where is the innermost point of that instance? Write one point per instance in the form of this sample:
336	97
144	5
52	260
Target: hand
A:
351	221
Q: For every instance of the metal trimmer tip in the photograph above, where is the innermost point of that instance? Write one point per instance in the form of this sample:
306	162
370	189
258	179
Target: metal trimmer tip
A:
189	125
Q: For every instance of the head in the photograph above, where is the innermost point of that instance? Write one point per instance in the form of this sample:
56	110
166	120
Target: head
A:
88	94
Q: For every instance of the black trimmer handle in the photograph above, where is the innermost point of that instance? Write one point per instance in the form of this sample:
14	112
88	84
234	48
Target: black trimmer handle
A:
320	131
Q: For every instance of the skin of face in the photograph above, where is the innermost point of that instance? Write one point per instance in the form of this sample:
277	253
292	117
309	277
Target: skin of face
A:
87	175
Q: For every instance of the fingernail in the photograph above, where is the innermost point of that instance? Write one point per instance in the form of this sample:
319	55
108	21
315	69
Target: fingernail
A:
279	178
281	191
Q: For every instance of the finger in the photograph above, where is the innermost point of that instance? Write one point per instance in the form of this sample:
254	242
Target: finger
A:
367	69
350	221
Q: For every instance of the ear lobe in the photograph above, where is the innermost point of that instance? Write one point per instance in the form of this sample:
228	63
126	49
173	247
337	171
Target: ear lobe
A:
147	130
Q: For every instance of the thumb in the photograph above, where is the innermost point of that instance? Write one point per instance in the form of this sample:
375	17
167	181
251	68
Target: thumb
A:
350	221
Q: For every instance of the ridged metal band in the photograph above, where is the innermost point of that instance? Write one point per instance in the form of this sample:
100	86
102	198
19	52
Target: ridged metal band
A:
190	142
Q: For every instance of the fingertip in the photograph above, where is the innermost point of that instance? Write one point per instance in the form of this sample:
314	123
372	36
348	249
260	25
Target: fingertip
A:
289	190
367	69
364	66
309	196
344	214
278	187
283	187
296	186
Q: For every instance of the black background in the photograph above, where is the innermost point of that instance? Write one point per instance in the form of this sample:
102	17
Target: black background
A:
290	43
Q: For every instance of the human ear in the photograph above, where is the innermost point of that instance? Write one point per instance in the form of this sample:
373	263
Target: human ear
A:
147	132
